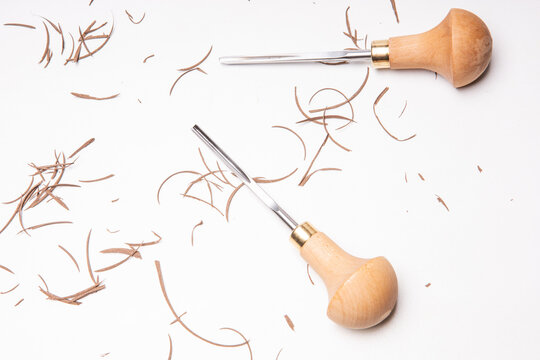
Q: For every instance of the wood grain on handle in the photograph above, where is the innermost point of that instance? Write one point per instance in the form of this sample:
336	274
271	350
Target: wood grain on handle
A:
459	48
362	292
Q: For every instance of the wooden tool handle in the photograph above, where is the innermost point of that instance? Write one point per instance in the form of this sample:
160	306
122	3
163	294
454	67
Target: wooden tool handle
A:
459	48
362	292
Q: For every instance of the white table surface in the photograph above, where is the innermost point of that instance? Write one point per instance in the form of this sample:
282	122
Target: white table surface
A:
481	257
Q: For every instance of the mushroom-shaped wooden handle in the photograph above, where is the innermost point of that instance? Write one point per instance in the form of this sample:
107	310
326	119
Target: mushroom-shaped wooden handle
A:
362	292
459	48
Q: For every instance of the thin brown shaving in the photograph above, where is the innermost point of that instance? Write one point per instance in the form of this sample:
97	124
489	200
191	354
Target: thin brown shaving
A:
10	290
96	180
56	28
304	178
170	347
184	73
123	251
88	142
131	254
198	63
57	199
349	33
379	120
21	206
316	119
133	21
279	352
71	257
6	269
46	44
148	57
115	200
428	285
193	230
63	40
21	25
20	301
348	100
72	49
442	202
244	338
46	224
90	97
178	319
77	53
395	10
289	322
44	283
298	104
88	258
309	275
330	136
131	245
322	169
112	232
158	240
94	37
229	200
296	134
479	168
334	63
421	177
261	180
406	177
402	111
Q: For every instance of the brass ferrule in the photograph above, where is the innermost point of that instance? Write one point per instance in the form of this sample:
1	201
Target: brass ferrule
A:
380	54
302	233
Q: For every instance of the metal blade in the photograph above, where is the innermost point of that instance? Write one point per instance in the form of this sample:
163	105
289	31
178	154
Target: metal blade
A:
327	56
246	179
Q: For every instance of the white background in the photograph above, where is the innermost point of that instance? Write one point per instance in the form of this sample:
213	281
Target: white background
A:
482	257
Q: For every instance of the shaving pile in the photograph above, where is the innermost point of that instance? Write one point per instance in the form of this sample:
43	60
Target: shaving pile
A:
211	180
45	180
89	42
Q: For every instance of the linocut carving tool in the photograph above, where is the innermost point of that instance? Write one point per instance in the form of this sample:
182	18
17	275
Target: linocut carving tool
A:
362	292
459	48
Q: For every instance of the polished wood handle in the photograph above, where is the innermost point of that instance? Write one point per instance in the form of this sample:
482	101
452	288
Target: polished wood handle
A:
362	292
459	48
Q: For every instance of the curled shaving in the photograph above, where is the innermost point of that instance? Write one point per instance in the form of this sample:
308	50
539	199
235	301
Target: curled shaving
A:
178	318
